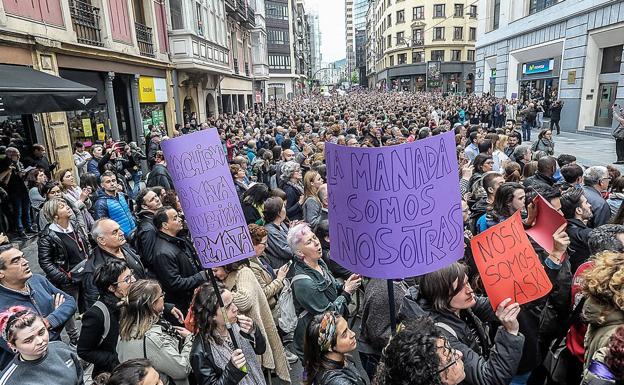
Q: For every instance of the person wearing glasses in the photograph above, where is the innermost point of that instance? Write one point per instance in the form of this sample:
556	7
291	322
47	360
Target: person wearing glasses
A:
596	180
328	343
20	287
447	298
420	355
544	142
100	323
143	333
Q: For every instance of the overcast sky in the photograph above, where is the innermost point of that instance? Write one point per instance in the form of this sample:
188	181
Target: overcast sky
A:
332	25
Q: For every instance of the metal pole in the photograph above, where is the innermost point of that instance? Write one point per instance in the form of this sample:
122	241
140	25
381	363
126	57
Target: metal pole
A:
110	105
176	97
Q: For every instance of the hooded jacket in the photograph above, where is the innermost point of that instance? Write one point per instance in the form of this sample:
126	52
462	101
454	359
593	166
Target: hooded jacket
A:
603	321
483	364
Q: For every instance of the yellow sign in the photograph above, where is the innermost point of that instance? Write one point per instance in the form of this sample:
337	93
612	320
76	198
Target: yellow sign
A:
100	131
86	127
571	76
152	90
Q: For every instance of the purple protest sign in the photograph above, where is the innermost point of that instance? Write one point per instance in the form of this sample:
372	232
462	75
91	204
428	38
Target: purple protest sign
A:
202	179
395	212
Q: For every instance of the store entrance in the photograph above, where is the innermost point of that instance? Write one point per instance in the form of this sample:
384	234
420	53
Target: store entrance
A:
604	113
543	90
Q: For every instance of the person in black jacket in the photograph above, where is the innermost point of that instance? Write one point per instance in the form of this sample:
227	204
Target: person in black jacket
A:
577	212
159	176
252	201
178	269
98	339
328	342
153	147
543	177
147	203
212	357
60	249
460	318
291	184
555	115
111	244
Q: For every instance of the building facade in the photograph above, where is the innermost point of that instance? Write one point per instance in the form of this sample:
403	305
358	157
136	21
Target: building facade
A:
316	58
423	45
117	48
287	61
572	51
260	56
360	9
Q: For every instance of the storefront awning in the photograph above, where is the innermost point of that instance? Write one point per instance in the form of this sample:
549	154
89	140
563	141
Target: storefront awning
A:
24	90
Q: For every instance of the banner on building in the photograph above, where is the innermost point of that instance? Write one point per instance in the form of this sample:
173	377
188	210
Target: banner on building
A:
395	212
434	74
152	90
202	179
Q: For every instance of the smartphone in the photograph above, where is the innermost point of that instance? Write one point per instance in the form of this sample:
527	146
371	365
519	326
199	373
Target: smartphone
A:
289	263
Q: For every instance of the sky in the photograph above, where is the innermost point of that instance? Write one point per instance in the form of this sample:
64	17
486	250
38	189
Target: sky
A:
332	25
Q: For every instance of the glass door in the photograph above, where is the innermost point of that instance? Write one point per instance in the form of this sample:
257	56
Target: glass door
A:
604	114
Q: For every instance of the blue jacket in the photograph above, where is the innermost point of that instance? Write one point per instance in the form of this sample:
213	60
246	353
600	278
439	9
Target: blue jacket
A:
115	208
42	303
92	167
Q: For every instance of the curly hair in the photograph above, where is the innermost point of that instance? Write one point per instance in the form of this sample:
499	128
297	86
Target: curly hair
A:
615	356
604	282
204	308
411	358
257	233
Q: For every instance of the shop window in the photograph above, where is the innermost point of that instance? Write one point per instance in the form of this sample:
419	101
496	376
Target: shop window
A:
459	10
438	33
439	10
418	13
611	60
402	58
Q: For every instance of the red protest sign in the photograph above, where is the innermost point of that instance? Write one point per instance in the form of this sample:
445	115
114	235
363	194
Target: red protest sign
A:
508	265
547	222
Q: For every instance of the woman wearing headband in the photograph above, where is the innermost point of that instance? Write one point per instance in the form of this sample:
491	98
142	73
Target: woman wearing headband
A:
37	359
327	344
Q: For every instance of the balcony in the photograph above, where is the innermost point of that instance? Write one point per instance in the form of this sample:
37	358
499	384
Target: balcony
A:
241	11
144	39
251	17
230	6
246	69
236	69
86	22
417	43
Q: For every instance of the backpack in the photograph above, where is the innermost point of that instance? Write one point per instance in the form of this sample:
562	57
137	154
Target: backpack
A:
88	371
286	315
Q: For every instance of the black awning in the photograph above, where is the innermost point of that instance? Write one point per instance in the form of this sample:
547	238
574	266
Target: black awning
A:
24	90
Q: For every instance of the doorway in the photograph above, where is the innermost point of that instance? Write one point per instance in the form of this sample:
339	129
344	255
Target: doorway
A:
604	114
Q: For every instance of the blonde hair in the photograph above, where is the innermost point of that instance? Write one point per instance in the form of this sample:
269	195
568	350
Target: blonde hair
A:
502	142
137	309
50	208
604	282
308	188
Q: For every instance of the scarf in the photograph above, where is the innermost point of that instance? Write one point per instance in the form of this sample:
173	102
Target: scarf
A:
223	353
296	186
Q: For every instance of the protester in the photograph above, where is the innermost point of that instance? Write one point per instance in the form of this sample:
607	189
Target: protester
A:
77	197
328	342
35	179
159	175
577	211
278	251
291	184
37	359
252	202
113	204
147	204
312	206
137	371
596	180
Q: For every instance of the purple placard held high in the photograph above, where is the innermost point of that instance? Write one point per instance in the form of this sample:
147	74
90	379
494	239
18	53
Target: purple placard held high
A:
202	179
395	212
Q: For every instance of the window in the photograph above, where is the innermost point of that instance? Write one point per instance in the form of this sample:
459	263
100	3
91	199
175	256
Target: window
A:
471	55
458	33
400	16
459	10
418	57
540	5
402	58
277	36
472	34
389	41
389	21
496	14
611	59
276	11
438	33
199	19
438	10
473	11
279	62
400	38
418	13
456	55
437	55
418	37
391	60
177	21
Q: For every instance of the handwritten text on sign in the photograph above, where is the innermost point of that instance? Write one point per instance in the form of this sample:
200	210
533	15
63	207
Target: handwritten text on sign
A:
508	265
202	179
395	212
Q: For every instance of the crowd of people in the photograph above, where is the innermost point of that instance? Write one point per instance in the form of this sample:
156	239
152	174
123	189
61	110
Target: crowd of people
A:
122	278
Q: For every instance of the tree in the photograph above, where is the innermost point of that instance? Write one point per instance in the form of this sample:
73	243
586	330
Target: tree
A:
355	77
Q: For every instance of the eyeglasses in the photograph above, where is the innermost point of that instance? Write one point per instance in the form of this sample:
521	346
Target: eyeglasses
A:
128	279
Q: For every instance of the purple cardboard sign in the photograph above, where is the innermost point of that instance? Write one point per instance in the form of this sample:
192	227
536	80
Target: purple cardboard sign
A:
202	179
395	212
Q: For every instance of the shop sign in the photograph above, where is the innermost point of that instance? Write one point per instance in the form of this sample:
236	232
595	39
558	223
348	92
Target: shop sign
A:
100	131
152	90
538	67
434	74
86	127
571	76
493	73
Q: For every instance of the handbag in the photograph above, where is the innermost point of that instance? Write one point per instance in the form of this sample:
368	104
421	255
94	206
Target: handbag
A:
618	132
